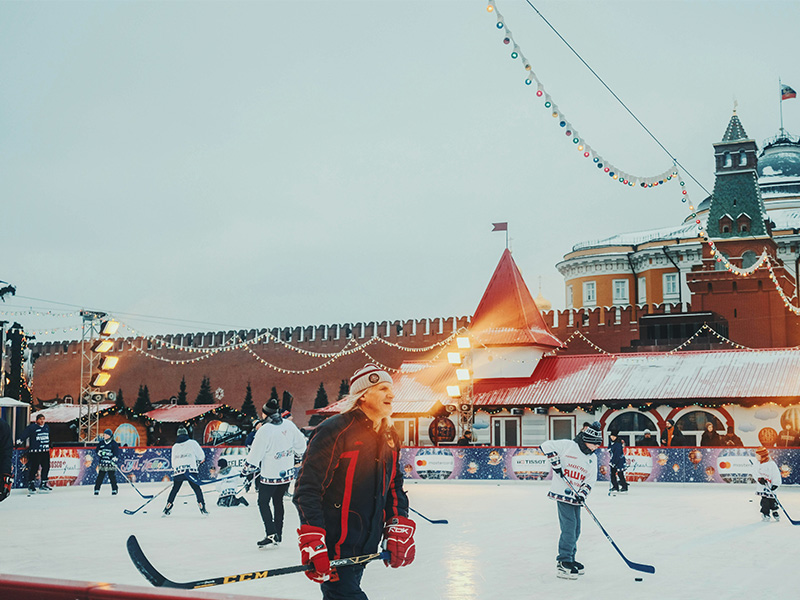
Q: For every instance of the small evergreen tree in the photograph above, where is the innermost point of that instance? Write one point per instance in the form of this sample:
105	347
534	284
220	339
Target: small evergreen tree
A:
321	401
143	404
286	401
344	389
205	396
182	393
274	393
248	407
120	401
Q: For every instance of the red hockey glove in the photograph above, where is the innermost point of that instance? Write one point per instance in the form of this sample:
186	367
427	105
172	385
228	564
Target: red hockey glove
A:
314	552
6	479
398	539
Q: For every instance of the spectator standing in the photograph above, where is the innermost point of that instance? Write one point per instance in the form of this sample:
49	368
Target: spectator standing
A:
274	448
710	437
648	440
6	454
38	437
186	458
350	490
672	436
466	439
108	453
617	463
731	439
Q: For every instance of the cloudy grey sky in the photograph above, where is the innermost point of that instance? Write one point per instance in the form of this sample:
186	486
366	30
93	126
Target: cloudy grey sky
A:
261	164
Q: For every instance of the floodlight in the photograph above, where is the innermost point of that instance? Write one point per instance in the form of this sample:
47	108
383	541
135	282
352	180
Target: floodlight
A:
103	346
463	342
109	327
100	379
454	391
463	374
454	358
108	363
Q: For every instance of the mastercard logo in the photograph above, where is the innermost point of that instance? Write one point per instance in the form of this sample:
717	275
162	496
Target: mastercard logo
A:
724	465
422	463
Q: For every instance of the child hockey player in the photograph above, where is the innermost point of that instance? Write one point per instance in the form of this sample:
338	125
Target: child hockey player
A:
768	476
186	457
227	484
573	461
108	453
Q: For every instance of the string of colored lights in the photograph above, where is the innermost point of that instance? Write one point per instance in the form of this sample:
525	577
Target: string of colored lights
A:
345	351
580	144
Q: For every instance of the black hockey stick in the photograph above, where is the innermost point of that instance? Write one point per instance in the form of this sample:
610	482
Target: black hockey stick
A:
633	565
145	496
133	512
791	520
157	579
434	521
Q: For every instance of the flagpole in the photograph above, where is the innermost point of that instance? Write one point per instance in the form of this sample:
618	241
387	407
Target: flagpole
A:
780	100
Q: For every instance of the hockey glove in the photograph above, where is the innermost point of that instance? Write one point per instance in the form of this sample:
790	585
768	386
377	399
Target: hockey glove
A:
5	485
398	539
762	481
555	461
314	552
583	491
774	487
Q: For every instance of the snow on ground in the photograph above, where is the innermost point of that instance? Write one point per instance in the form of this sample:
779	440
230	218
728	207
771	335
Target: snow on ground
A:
705	540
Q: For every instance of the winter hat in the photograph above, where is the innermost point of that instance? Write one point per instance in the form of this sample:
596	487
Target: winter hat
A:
222	463
647	431
182	431
367	376
592	434
763	454
108	432
271	407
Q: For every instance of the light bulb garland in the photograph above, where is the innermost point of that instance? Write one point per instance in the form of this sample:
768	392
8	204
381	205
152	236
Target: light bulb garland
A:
578	142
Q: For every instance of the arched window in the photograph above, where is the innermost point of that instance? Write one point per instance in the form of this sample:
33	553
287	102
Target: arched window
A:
725	223
693	424
742	158
631	426
749	258
726	160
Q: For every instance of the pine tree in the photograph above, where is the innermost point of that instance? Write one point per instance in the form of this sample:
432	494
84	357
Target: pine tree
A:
205	396
274	393
344	389
286	401
120	401
143	404
248	407
321	401
182	393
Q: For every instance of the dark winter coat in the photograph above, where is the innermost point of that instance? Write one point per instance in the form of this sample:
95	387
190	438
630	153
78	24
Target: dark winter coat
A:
350	483
107	451
731	439
39	437
617	449
648	441
678	438
6	447
710	438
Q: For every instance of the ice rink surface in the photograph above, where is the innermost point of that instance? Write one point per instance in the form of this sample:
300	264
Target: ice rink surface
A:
705	540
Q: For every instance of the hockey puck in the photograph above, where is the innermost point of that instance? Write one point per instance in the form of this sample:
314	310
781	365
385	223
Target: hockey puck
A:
638	579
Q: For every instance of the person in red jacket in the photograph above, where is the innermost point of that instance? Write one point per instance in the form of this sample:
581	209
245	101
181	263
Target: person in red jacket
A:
349	493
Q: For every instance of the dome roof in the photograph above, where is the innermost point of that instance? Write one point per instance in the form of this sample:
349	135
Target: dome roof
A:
779	166
542	303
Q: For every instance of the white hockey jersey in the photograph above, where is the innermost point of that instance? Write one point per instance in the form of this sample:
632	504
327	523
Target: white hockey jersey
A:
579	468
769	471
186	456
228	483
274	449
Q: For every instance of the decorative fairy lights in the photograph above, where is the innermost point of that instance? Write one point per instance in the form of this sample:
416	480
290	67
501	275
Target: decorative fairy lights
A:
578	142
574	334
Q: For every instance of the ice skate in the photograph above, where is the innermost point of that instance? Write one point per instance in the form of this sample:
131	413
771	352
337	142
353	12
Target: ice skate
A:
44	487
97	492
764	518
269	541
168	509
775	515
578	567
202	507
566	570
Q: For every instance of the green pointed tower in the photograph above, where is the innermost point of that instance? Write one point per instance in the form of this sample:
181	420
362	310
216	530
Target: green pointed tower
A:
737	209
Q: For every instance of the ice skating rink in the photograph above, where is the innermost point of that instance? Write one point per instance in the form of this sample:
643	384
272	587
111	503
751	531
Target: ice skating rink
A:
705	540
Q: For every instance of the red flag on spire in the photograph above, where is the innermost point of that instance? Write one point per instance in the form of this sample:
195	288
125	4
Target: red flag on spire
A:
787	92
500	226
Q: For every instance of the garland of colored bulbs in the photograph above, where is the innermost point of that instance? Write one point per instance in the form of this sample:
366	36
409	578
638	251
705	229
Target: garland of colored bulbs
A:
621	176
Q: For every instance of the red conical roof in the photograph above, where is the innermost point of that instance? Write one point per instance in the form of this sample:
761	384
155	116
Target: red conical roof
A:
507	314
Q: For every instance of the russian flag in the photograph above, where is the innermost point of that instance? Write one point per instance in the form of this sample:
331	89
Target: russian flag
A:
787	92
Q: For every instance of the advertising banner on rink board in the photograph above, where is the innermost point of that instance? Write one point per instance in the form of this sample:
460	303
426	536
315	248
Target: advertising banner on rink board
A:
79	466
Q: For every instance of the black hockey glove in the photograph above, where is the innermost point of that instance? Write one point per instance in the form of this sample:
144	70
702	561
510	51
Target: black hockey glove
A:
774	487
762	481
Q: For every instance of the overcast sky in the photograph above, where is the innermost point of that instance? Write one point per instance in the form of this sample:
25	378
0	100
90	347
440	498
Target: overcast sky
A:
265	164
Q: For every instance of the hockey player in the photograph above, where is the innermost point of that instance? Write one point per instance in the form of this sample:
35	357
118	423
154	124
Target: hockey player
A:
768	476
6	452
617	463
108	452
226	486
38	436
573	461
186	457
350	490
274	448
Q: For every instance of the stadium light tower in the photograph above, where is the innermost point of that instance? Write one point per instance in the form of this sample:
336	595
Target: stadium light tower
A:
463	391
95	367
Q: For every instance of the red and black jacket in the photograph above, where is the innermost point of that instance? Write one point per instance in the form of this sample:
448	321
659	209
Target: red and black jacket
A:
350	483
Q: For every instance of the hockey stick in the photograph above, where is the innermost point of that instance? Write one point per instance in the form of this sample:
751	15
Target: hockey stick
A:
145	496
133	512
434	521
633	565
791	520
150	573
